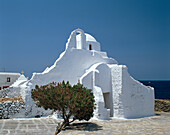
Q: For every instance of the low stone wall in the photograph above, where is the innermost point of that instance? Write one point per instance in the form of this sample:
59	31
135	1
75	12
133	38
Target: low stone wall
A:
4	92
162	105
10	92
10	106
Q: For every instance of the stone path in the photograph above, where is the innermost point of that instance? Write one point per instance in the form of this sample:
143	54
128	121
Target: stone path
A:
156	125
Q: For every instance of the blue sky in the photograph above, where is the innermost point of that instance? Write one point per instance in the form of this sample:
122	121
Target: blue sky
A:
134	32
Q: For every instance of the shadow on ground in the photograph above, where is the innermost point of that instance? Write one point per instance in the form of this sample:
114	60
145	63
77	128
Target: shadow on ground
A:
162	114
86	126
157	114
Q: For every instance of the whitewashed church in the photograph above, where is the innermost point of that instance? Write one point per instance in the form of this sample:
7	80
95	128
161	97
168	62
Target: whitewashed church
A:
116	93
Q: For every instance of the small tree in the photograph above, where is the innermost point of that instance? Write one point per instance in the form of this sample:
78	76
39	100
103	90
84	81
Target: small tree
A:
76	101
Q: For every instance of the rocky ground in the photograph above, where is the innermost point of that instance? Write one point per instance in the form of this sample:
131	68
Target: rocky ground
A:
155	125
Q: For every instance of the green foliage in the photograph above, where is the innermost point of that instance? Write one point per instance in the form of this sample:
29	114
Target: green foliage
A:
76	101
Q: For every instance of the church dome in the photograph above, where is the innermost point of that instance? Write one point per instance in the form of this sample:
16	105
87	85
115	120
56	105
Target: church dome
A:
88	37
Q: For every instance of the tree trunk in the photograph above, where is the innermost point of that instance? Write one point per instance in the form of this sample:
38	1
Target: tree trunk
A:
63	125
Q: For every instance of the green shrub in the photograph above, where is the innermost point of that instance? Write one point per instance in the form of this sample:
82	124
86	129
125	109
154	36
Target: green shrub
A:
76	101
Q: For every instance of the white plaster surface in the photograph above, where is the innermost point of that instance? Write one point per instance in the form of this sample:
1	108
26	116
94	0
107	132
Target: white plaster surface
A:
19	81
3	78
116	93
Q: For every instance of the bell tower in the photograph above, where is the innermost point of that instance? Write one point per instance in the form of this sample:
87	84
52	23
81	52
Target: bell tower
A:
72	41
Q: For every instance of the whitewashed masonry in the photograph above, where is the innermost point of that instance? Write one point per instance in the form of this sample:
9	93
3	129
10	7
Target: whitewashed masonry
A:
116	93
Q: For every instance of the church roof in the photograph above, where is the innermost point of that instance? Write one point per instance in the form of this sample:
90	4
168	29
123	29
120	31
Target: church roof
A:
88	37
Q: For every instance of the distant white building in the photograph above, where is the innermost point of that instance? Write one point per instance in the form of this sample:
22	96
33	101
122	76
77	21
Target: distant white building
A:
7	79
116	93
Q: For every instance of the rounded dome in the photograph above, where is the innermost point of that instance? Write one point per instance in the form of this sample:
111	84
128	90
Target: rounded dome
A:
88	37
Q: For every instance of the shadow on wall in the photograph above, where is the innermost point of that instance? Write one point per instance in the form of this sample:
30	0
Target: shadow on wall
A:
85	126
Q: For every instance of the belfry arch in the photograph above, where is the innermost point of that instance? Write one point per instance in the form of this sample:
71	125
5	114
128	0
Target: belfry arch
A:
80	44
72	41
80	40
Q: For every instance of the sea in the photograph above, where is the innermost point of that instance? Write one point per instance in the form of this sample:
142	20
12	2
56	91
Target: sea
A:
162	88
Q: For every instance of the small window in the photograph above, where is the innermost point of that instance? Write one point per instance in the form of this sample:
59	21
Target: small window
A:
90	47
8	79
0	88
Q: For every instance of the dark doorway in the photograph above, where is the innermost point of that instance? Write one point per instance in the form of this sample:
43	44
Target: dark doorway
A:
90	47
106	100
5	87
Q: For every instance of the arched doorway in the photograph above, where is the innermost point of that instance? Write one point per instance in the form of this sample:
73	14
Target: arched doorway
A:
103	80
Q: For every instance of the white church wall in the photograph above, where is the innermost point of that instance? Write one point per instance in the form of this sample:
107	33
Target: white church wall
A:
86	80
71	43
103	54
116	93
70	67
101	112
95	45
137	99
131	98
74	62
116	73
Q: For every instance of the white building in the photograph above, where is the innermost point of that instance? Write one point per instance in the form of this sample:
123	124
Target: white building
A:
116	93
7	79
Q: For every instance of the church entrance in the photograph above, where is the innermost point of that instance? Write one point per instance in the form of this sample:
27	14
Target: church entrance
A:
107	100
90	47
